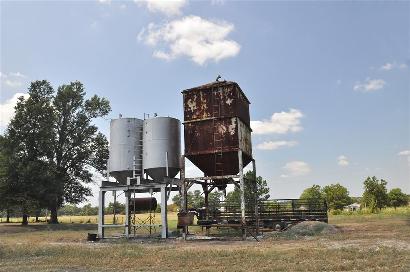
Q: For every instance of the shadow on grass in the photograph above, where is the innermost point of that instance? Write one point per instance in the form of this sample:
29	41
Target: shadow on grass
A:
17	228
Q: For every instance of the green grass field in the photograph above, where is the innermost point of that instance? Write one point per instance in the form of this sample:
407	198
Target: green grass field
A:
364	242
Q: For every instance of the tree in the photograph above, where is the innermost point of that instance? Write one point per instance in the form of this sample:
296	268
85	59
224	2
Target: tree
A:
262	190
214	199
313	195
337	196
375	193
397	198
56	134
119	208
196	199
6	198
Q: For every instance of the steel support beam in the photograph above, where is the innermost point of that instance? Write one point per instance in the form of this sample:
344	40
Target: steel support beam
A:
256	198
164	221
101	202
127	213
184	193
242	190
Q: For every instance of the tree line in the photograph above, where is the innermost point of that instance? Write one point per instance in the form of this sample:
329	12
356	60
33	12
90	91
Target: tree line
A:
374	198
50	149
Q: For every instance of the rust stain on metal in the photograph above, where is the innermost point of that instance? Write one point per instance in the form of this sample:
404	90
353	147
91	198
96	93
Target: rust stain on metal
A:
218	99
217	125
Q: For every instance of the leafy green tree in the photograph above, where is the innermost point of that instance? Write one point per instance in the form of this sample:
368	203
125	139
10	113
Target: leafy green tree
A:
89	210
197	200
119	208
375	194
214	199
397	198
69	210
337	196
313	195
6	199
262	191
55	133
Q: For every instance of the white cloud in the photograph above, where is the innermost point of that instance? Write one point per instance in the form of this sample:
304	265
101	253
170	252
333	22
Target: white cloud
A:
342	160
404	153
296	169
199	39
272	145
12	79
217	2
369	85
387	66
104	2
392	65
279	123
167	7
7	109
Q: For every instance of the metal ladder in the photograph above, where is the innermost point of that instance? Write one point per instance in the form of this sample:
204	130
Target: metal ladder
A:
218	139
138	161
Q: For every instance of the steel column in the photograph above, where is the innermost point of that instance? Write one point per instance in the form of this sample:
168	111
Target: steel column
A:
127	213
256	197
164	221
184	194
101	202
242	189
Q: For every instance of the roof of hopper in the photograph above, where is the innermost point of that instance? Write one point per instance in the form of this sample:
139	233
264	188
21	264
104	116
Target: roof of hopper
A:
216	84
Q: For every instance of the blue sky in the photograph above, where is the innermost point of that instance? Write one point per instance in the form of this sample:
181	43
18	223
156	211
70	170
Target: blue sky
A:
329	82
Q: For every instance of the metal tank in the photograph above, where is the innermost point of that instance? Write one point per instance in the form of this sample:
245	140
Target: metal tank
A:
162	147
216	127
125	148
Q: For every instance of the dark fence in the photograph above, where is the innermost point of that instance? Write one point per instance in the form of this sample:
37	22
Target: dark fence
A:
268	213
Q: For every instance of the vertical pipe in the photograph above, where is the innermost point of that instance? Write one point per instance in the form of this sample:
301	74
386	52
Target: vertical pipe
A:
184	204
166	163
133	167
127	213
114	207
256	197
101	202
206	193
242	189
164	221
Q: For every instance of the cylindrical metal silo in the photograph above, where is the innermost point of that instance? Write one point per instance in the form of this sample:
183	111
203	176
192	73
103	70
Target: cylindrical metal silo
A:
162	147
125	148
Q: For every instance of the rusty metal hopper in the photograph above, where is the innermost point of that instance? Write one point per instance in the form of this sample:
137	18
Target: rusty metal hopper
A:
216	126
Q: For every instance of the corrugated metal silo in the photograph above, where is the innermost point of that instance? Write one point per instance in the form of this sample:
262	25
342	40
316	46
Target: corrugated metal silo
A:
125	146
162	147
216	127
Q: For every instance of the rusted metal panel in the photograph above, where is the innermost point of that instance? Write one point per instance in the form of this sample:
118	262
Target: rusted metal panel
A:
212	144
245	142
216	100
216	127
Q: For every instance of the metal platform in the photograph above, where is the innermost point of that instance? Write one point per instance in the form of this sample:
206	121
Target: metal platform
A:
136	185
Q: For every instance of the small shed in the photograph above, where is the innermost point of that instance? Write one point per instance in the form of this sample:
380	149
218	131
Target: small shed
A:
352	207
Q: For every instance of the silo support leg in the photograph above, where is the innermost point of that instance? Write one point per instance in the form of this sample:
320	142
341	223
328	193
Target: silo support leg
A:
127	214
256	198
242	189
101	200
164	220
